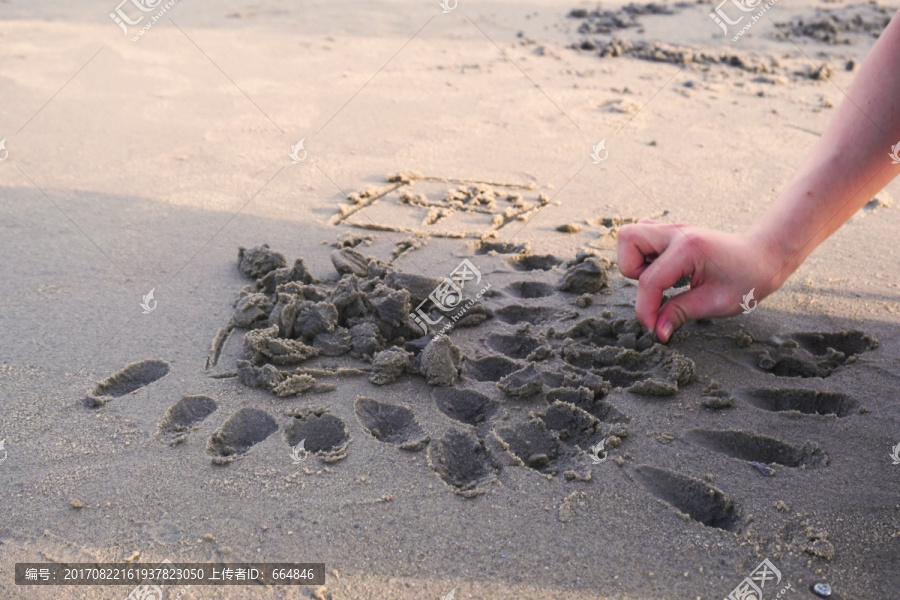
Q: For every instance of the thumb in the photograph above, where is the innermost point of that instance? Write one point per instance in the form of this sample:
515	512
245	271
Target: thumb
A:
681	308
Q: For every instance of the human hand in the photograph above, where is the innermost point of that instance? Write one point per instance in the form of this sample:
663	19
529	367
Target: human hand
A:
722	268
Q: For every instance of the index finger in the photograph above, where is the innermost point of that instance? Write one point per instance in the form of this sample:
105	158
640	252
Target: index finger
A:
637	245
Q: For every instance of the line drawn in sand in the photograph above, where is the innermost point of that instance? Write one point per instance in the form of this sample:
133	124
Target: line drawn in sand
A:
492	205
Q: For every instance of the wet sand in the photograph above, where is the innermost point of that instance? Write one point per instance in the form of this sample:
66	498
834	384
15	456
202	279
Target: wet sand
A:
281	401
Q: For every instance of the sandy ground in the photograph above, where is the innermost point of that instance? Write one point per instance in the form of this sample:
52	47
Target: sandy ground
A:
145	165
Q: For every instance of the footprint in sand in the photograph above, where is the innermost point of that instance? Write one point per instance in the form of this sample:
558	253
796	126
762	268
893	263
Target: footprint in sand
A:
466	406
515	314
483	247
523	384
590	401
323	434
518	346
184	415
133	377
699	500
240	432
390	423
531	289
534	262
462	461
811	354
759	448
656	371
538	447
573	425
806	401
490	368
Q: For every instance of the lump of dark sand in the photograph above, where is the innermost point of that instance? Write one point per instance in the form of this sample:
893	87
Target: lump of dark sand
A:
389	364
439	362
587	277
335	343
251	311
258	261
365	340
418	286
321	317
349	261
264	345
392	307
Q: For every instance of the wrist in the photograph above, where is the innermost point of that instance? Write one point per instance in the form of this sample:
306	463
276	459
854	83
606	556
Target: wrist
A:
778	258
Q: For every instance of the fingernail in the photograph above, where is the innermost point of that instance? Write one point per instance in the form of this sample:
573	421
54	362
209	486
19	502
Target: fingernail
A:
666	332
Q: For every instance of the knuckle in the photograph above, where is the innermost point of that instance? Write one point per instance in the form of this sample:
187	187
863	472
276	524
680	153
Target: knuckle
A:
626	234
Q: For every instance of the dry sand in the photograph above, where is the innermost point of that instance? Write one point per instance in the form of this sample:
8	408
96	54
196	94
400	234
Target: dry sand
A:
464	463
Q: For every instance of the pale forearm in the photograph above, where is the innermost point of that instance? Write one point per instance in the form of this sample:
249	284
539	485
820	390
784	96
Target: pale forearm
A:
848	166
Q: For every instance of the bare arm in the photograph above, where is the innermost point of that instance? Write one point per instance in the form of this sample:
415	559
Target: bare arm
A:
848	165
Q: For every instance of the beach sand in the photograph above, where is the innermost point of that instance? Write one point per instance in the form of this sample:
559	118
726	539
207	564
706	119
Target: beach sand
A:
467	467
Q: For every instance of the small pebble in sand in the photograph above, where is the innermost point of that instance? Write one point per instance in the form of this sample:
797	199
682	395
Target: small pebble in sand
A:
321	593
766	471
569	228
878	202
76	503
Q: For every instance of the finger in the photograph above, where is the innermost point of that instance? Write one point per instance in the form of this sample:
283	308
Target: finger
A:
701	302
637	245
657	278
696	303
